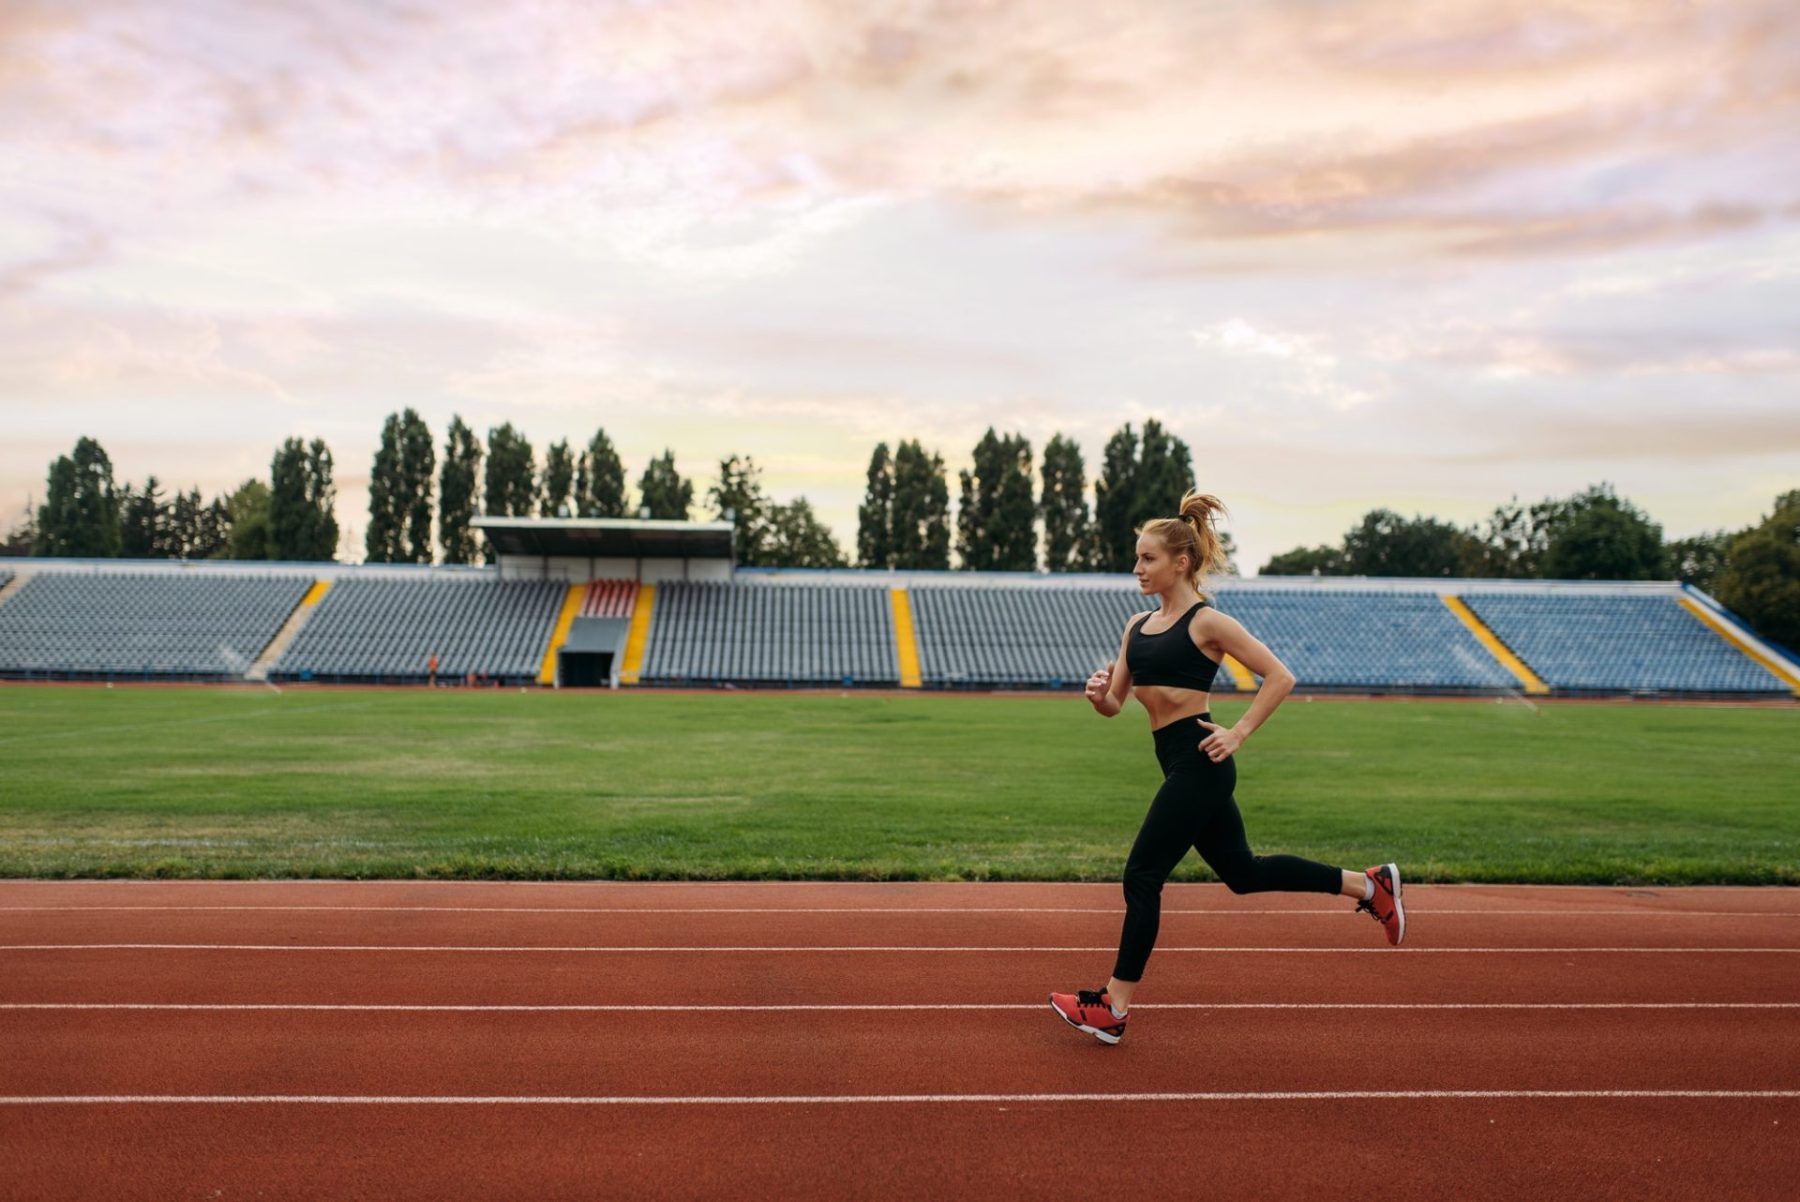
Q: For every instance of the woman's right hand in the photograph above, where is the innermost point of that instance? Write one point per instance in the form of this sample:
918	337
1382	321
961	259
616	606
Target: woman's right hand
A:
1098	684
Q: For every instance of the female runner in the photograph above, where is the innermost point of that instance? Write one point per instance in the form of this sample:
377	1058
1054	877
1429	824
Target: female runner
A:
1170	656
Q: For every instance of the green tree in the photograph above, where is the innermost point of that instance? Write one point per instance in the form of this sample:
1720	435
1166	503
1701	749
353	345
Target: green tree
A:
1064	508
796	538
80	515
1761	580
382	540
559	478
1511	543
738	498
1306	561
23	534
1165	475
400	492
1137	483
248	513
457	495
1386	544
665	494
921	513
199	529
1699	560
302	502
600	480
1599	536
875	516
511	483
1228	548
994	522
143	522
418	463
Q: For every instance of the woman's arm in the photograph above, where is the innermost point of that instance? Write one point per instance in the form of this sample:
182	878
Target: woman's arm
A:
1231	637
1109	687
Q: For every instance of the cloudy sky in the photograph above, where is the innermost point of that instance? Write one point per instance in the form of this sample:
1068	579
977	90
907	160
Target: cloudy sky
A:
1421	255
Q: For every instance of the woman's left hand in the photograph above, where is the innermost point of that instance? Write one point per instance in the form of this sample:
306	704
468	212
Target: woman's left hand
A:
1221	742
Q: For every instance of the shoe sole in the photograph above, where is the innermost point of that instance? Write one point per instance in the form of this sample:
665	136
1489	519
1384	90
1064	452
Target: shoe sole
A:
1399	910
1096	1032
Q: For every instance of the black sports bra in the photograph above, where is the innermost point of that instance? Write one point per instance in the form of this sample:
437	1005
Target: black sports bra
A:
1156	659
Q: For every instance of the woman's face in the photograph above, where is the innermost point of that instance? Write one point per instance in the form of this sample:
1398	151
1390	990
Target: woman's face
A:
1157	571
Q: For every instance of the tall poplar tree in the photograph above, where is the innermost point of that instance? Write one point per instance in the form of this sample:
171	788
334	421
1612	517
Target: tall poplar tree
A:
1137	483
1064	508
418	463
302	501
600	480
921	526
665	494
559	479
875	516
995	527
381	542
510	486
458	494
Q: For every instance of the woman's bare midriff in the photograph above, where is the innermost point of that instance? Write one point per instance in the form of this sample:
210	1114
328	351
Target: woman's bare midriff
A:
1166	703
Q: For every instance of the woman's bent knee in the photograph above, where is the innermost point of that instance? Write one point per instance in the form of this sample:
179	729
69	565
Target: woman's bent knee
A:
1142	885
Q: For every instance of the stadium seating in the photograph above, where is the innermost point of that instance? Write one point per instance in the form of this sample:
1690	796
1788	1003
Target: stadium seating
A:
387	628
1618	643
1018	637
383	623
125	623
988	637
1348	639
609	599
770	634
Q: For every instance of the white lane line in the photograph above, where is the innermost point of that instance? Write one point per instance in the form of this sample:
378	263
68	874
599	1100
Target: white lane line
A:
1115	910
1329	951
863	1099
581	1009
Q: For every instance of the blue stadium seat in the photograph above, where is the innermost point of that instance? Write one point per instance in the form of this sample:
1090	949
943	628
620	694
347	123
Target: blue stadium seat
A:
387	628
709	632
1619	643
126	623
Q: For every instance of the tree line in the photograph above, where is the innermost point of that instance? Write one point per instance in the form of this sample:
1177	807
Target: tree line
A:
1594	534
1013	513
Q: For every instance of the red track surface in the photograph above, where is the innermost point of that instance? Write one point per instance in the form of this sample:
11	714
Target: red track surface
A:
991	1100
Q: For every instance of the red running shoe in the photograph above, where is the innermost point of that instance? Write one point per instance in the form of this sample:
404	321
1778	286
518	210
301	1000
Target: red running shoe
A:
1384	907
1089	1010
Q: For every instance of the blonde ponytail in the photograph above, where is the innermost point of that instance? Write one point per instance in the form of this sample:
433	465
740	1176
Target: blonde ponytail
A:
1192	533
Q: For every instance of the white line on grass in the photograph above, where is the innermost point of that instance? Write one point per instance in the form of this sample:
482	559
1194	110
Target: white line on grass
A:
582	1009
1332	951
859	1099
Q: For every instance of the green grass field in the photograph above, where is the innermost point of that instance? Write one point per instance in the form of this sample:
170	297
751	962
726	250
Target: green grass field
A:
243	782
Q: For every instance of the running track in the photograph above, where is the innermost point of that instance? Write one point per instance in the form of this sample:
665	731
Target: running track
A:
809	1041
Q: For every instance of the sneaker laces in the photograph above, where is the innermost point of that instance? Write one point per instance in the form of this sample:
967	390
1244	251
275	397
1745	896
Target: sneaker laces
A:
1090	997
1367	906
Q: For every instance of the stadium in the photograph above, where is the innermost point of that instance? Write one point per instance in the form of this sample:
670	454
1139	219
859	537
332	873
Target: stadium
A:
625	602
424	777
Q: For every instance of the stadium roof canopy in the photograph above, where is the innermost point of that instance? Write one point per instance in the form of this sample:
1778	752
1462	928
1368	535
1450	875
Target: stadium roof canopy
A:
608	538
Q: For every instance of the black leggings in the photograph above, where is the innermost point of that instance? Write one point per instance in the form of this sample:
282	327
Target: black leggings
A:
1195	808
